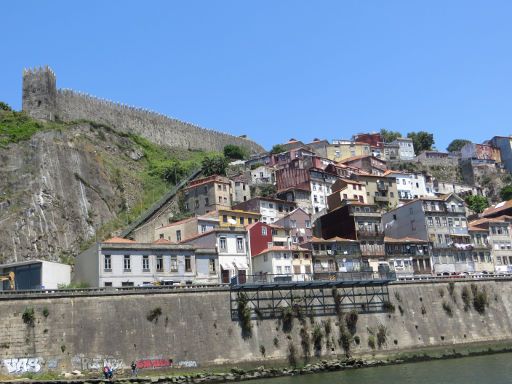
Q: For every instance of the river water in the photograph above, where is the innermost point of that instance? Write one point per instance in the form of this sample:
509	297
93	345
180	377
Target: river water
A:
490	369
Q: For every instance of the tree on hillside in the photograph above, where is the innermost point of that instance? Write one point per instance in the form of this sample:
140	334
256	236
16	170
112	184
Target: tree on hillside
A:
506	192
389	136
235	152
4	106
457	144
214	165
422	141
477	203
278	148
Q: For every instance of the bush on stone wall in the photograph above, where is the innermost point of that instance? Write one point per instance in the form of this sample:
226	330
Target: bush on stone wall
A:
244	314
351	321
28	316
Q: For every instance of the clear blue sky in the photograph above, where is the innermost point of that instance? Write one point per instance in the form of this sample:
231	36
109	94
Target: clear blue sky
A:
278	69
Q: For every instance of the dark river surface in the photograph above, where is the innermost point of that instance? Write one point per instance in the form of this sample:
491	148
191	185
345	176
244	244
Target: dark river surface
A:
468	370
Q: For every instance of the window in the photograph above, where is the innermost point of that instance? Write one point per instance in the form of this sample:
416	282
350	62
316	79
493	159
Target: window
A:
345	196
203	228
438	221
126	263
219	187
108	263
188	263
145	263
108	284
279	269
174	263
293	223
222	243
211	267
178	235
127	284
307	223
159	264
265	257
288	269
430	221
224	218
391	194
264	231
197	203
206	201
249	220
220	199
242	220
239	243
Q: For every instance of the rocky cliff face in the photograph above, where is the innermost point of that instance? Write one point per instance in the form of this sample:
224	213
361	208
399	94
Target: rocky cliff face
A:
61	185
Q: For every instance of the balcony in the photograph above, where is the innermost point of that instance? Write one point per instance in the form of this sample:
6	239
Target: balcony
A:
382	186
381	199
342	252
481	245
459	231
363	233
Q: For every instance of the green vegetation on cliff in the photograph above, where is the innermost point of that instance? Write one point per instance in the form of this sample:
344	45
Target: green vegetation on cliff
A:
17	126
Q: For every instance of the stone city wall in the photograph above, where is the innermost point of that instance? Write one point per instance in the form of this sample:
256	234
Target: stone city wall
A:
153	126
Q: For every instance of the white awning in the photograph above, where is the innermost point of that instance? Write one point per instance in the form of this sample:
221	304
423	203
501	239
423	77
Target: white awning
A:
226	266
241	265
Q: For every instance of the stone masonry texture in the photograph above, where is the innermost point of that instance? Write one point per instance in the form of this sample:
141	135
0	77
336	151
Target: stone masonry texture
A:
195	328
42	100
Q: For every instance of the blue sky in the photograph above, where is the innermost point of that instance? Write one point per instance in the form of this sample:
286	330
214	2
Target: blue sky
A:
278	69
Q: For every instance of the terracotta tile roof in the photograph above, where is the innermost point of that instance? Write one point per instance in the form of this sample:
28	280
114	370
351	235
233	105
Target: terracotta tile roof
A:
492	210
179	222
484	222
163	241
331	240
403	240
118	240
283	248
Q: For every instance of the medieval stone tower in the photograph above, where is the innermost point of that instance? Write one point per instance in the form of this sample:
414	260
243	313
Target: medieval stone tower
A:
39	98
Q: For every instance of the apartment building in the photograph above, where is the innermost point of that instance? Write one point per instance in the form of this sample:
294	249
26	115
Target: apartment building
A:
405	148
410	185
406	256
208	194
343	149
335	255
354	221
237	218
119	262
298	225
346	189
270	209
232	250
492	238
380	190
504	143
442	222
184	229
282	263
240	190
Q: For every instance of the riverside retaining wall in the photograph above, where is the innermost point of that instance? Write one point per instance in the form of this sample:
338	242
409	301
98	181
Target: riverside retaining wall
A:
195	329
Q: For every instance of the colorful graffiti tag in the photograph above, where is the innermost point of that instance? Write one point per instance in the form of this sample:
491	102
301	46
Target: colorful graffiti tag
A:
154	363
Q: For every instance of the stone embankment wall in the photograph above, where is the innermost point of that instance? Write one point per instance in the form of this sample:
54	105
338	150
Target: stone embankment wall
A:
196	329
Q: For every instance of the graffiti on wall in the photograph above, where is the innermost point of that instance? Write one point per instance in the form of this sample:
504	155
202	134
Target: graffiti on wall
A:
96	363
154	363
23	365
187	364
